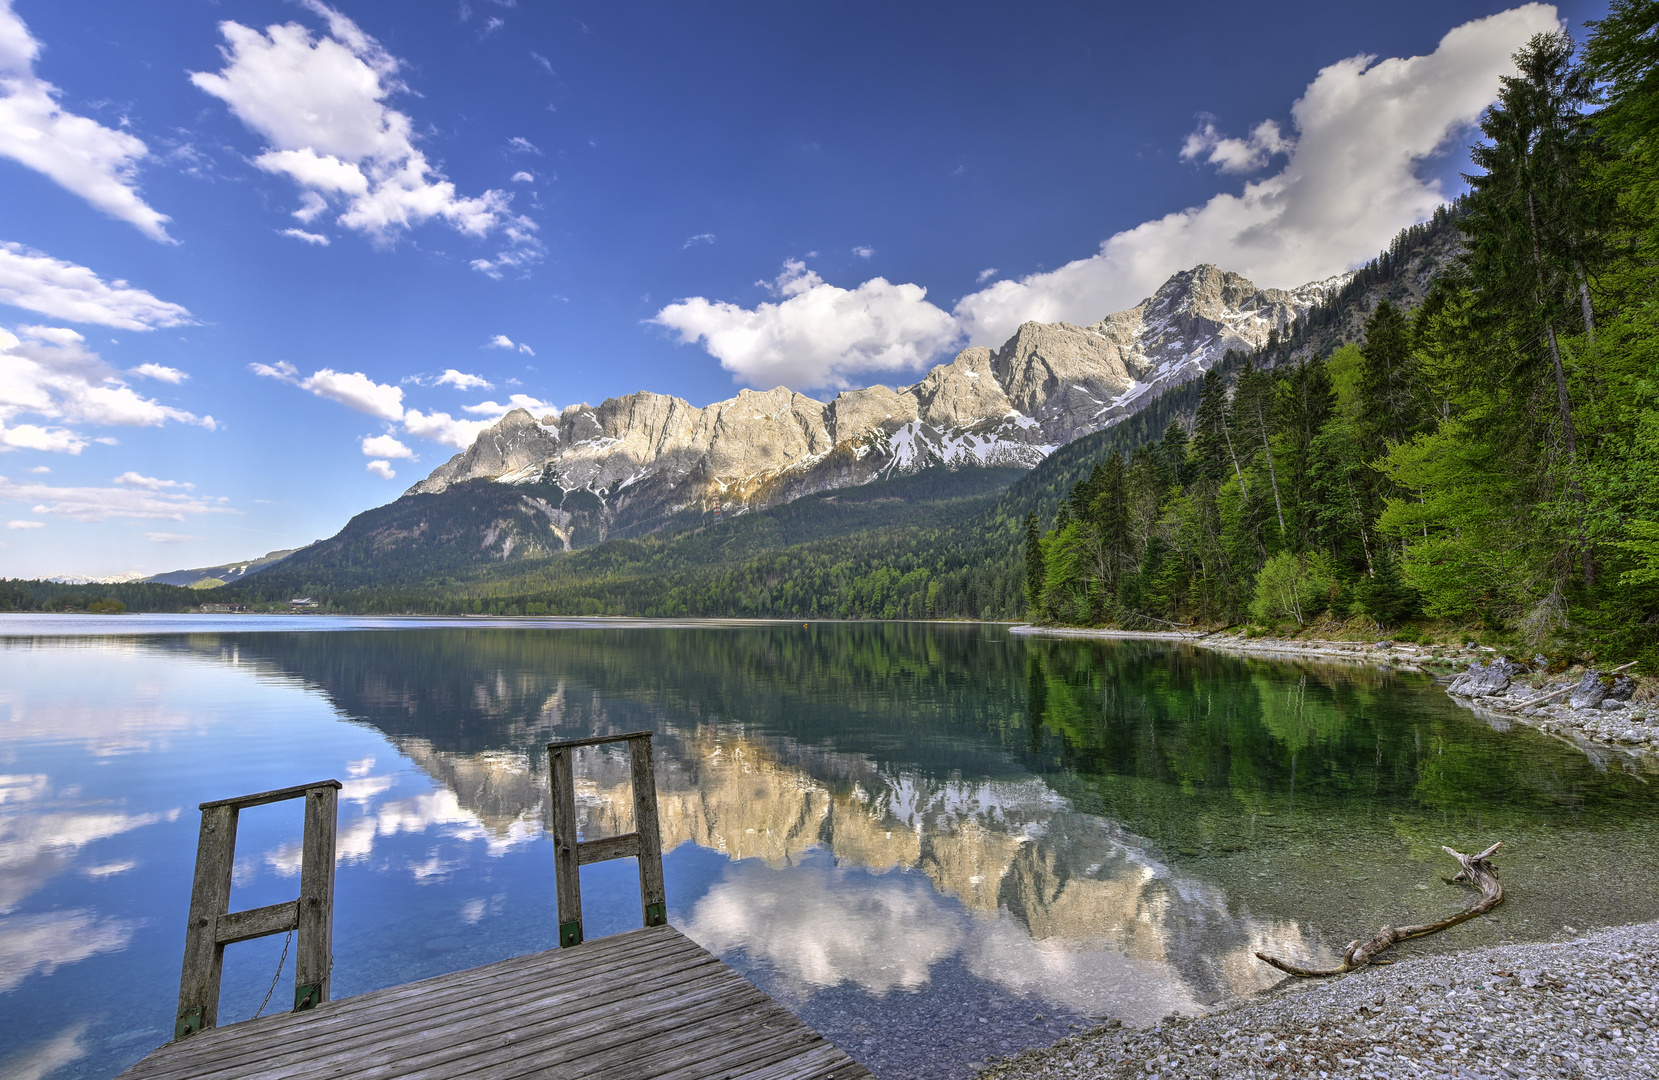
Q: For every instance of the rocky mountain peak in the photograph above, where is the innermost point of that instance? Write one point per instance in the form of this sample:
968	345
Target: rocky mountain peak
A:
644	457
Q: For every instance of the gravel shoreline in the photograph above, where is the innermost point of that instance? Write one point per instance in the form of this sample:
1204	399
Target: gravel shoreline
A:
1584	1007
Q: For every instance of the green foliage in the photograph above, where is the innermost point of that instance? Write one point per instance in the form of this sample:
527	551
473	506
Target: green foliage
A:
1491	458
1290	586
19	595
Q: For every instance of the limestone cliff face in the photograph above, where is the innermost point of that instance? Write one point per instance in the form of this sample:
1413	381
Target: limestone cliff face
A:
638	460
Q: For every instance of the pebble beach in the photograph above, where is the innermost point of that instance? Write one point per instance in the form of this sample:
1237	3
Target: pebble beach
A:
1583	1007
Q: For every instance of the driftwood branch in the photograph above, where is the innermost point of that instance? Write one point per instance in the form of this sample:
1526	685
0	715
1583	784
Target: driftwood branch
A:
1553	694
1476	871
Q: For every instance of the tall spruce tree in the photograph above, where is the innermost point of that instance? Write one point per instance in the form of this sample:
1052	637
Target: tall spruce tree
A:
1035	571
1391	401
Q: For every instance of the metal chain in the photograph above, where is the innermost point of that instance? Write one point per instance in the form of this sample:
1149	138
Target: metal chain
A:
283	959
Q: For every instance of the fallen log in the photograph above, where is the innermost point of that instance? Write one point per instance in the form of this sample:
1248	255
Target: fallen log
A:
1477	871
1553	694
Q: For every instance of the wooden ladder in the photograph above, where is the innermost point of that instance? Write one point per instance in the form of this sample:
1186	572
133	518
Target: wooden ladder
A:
213	925
571	854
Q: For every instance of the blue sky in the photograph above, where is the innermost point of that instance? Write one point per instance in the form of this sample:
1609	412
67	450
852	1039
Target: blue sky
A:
243	242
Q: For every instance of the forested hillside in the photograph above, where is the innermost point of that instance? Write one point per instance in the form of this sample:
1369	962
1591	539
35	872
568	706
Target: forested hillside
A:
1491	459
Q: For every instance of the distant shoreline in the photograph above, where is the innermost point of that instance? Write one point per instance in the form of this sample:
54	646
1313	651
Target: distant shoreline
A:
1396	655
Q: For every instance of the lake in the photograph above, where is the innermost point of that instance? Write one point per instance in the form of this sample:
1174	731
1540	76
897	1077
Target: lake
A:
936	843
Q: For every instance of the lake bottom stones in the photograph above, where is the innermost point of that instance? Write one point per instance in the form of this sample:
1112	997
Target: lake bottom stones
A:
1581	1008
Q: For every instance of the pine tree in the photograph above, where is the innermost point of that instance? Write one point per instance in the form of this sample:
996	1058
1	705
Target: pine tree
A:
1035	572
1388	386
1534	238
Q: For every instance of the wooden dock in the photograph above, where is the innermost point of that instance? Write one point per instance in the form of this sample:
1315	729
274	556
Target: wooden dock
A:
649	1004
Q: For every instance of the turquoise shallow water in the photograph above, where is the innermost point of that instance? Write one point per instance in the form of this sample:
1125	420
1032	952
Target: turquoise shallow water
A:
935	842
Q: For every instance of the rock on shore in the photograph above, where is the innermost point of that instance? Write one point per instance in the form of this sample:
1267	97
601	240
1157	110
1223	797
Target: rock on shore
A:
1584	1007
1598	707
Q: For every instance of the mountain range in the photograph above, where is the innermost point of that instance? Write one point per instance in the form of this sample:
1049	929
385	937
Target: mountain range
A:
533	486
932	461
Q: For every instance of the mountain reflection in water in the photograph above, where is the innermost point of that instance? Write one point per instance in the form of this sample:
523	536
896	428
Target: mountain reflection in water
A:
935	842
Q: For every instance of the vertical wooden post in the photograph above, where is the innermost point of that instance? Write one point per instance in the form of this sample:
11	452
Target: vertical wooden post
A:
204	957
566	862
653	901
315	955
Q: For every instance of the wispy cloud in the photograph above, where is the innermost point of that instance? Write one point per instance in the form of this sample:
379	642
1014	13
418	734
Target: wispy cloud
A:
314	239
50	375
700	238
864	251
150	483
97	163
37	282
103	504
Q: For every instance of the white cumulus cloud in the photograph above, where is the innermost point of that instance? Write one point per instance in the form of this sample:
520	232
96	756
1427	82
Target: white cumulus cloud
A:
352	389
463	381
25	524
382	469
48	374
320	104
818	334
502	341
358	391
1232	155
1362	130
440	427
160	373
517	401
37	282
522	177
385	446
1349	181
97	163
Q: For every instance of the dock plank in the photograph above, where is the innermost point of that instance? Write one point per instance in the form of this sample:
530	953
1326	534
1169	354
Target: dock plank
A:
649	1004
387	1014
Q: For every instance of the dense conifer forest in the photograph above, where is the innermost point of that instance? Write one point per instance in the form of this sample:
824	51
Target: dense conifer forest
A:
1488	460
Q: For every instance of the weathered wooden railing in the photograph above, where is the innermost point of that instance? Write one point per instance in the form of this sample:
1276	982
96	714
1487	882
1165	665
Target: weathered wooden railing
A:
571	854
213	925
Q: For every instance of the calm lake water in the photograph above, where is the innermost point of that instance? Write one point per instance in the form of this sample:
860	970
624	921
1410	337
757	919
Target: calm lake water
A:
936	843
